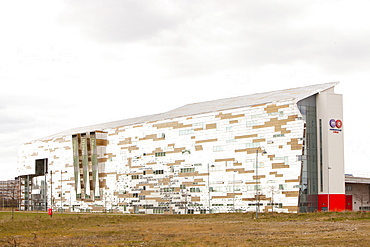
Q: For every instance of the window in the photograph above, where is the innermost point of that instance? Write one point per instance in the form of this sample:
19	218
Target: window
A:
185	170
169	189
158	172
158	211
134	176
254	187
253	145
252	123
161	135
285	159
186	132
217	148
198	125
278	205
348	188
366	208
182	186
279	135
282	186
160	154
195	189
280	113
260	165
229	129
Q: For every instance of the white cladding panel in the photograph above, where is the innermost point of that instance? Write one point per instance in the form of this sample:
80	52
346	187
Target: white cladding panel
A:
197	163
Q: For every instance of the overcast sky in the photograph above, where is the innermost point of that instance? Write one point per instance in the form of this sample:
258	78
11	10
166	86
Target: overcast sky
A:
67	63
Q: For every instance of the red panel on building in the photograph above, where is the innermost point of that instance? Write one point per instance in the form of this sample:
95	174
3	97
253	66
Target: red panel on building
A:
335	202
349	206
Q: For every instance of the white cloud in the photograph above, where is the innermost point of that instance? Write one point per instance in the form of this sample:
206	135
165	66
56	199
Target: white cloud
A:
65	63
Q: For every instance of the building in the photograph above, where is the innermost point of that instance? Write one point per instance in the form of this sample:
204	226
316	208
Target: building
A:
276	151
357	193
9	194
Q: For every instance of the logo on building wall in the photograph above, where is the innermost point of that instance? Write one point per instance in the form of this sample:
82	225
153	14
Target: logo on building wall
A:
336	125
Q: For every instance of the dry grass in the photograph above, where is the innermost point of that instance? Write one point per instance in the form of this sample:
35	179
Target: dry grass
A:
316	229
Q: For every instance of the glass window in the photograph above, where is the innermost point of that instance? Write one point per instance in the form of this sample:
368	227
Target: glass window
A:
186	132
282	186
185	170
160	154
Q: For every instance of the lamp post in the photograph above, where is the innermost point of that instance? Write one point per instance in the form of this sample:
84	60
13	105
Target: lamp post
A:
61	191
329	188
209	191
257	198
45	187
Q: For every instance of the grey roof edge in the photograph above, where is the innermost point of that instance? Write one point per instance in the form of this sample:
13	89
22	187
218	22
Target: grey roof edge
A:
295	94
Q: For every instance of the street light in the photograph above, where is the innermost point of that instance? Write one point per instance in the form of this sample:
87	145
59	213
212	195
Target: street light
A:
61	192
329	188
257	198
209	192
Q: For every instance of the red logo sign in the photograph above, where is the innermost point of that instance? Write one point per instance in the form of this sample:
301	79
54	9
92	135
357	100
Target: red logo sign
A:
336	125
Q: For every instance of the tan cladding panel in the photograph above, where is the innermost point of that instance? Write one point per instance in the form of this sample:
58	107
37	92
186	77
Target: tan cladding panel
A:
125	141
245	136
294	144
279	175
292	180
275	122
229	195
259	140
249	150
274	108
209	140
153	137
229	115
291	208
198	148
279	165
239	170
195	199
211	126
101	142
291	193
174	125
227	159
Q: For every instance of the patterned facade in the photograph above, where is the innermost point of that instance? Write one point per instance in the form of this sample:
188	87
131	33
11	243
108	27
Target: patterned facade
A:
227	159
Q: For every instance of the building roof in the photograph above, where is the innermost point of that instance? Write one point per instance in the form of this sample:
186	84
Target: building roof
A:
294	94
356	180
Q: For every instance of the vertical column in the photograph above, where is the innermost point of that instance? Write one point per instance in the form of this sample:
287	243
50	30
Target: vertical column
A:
76	164
330	113
85	165
94	161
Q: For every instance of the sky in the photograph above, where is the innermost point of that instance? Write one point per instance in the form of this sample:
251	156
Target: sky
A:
66	63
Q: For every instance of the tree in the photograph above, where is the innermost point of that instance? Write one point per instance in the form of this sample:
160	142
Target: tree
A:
9	191
362	195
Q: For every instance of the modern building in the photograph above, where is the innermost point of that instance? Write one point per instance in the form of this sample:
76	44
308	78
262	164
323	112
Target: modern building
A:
276	151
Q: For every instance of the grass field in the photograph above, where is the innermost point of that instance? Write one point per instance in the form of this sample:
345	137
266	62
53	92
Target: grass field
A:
234	229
